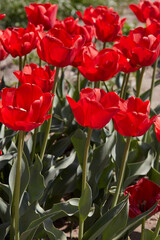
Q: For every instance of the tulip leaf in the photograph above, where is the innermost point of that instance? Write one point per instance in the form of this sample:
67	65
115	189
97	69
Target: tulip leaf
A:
52	232
148	234
59	165
111	223
78	139
5	188
154	176
4	229
59	210
30	214
85	203
6	158
25	175
4	211
101	159
157	238
133	223
59	147
139	168
36	179
120	145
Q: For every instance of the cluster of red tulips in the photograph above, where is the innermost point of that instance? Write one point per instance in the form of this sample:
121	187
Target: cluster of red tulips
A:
61	43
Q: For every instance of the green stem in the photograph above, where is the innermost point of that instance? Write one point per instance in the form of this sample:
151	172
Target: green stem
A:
140	82
123	85
34	144
55	80
78	82
106	86
122	172
20	63
143	227
153	80
16	193
104	45
84	177
96	84
20	68
156	232
24	60
50	119
40	62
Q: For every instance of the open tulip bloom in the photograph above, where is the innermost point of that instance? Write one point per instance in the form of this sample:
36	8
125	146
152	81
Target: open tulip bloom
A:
24	108
62	47
146	10
19	41
95	107
43	77
142	196
44	14
133	118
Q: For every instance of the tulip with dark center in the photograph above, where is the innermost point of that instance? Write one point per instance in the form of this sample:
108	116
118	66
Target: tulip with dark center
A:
142	196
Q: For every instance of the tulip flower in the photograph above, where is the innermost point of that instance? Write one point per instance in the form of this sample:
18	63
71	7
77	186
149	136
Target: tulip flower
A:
133	118
59	48
157	127
101	66
90	14
44	14
71	26
43	77
19	41
142	196
3	53
88	50
140	47
2	16
95	107
106	21
24	108
146	10
108	26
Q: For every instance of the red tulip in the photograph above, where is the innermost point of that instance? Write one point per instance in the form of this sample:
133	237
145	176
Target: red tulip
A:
19	41
153	28
44	14
3	53
2	16
141	48
109	26
157	127
133	117
24	108
95	107
146	9
99	66
59	48
89	50
71	26
43	77
90	14
142	196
